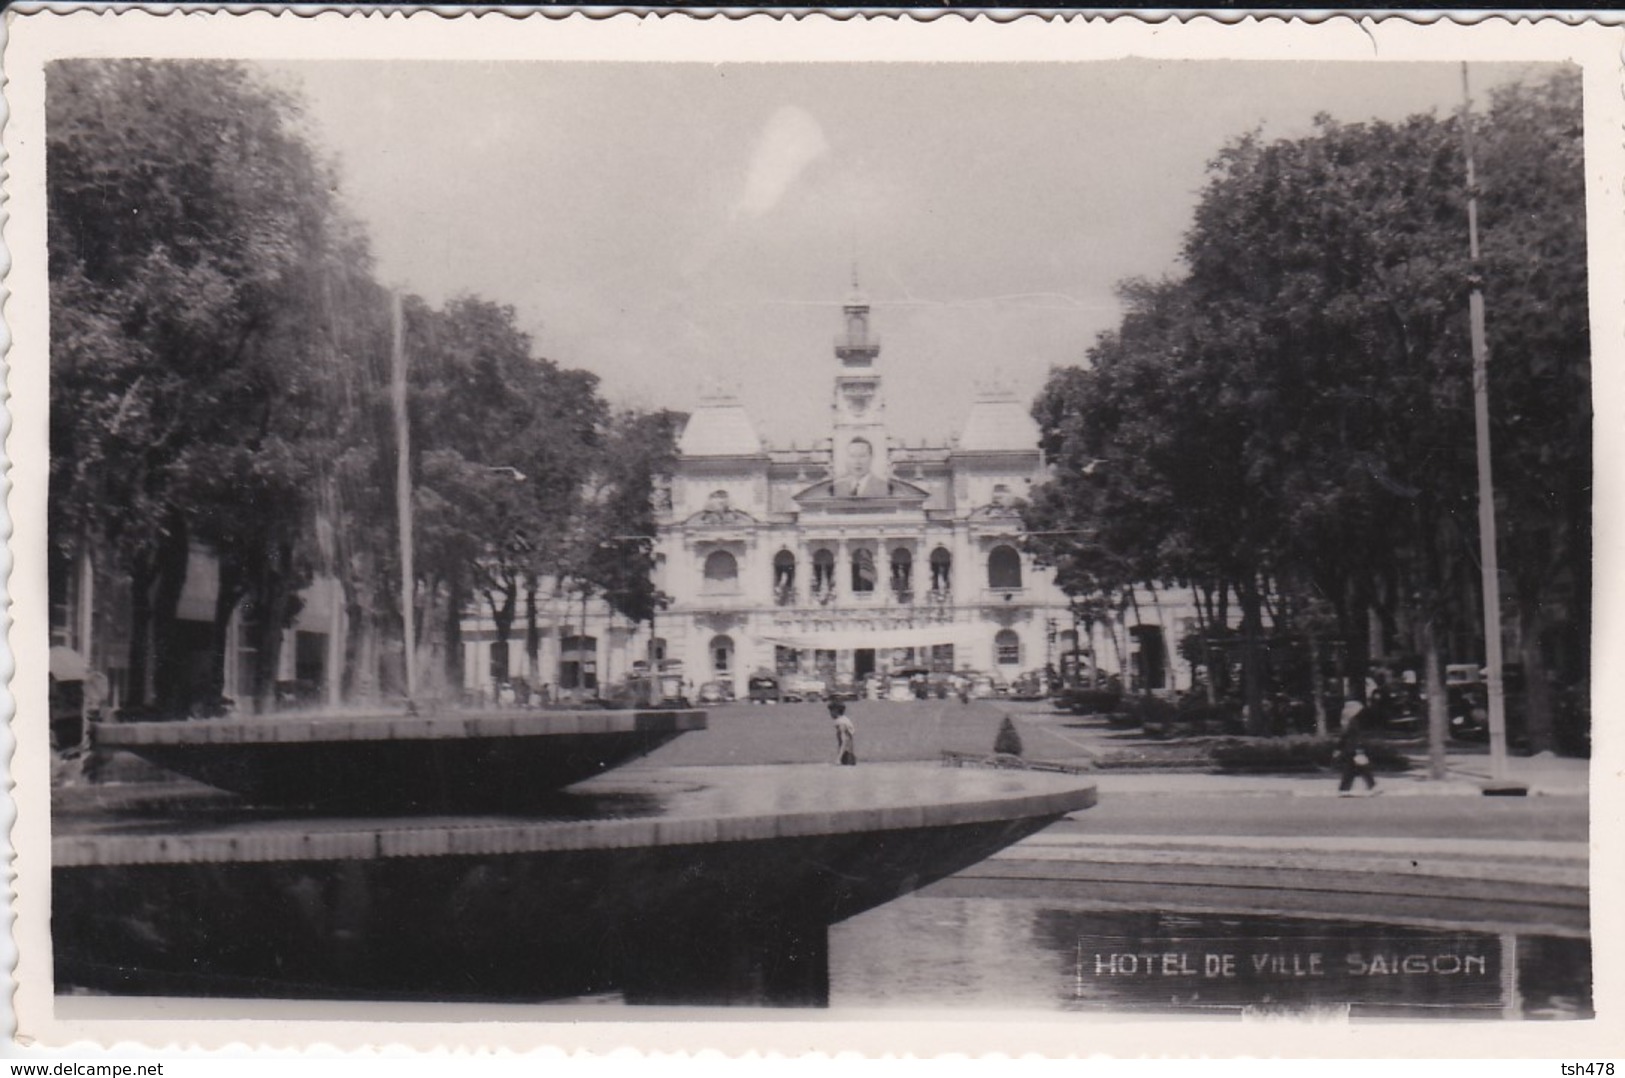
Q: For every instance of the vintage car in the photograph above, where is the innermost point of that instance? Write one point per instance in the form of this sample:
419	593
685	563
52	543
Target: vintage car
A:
714	692
803	687
1028	686
900	689
764	689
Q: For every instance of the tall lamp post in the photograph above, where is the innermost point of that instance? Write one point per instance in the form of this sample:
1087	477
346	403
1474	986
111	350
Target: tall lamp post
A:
1489	567
403	491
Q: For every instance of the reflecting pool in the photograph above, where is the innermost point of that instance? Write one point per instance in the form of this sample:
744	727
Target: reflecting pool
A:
1041	955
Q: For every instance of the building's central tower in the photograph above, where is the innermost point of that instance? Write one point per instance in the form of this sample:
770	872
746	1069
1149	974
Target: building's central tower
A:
860	407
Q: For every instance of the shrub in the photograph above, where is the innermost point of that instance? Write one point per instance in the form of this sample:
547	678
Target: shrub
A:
1144	709
1201	717
1008	740
1275	754
1093	701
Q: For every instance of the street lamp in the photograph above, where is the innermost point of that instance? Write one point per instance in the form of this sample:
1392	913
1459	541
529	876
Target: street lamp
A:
1489	569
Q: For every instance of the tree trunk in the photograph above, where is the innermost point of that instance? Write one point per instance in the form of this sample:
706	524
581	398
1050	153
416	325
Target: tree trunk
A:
361	673
1221	620
1251	630
1117	644
533	632
431	675
139	690
1204	626
1537	694
228	592
1141	668
1317	687
1438	698
272	600
171	668
454	640
358	626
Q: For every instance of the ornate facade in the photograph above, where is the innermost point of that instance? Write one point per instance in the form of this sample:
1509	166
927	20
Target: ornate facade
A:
859	553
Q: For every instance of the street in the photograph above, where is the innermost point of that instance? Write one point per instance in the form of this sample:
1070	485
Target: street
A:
1152	803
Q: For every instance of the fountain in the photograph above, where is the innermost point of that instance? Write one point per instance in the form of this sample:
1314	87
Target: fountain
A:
703	885
493	854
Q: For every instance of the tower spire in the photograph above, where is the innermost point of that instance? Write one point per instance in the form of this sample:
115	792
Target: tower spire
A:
856	347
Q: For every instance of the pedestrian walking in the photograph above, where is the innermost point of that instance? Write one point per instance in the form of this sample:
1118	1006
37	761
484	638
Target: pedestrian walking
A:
1352	758
845	734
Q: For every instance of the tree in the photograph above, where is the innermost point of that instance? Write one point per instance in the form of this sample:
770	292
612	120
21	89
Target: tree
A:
183	207
619	562
503	441
1296	407
1532	175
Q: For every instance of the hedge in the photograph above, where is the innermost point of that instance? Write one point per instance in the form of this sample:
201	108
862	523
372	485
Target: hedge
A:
1298	753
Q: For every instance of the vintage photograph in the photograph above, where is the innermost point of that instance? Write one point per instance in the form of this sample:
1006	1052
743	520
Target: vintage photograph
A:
1106	537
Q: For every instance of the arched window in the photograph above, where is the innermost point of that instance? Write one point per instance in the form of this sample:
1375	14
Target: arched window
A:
722	654
941	569
902	570
1003	568
823	571
1007	648
721	572
784	578
863	570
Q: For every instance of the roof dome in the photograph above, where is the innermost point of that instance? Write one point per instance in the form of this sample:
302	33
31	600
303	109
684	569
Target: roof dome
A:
998	423
719	427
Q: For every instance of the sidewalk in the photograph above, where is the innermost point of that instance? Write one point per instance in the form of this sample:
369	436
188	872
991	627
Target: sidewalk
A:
1545	776
1487	884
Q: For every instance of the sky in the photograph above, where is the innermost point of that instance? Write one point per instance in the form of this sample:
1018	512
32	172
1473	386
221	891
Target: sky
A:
675	226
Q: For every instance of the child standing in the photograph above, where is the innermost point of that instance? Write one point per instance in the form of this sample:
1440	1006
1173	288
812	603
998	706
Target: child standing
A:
845	734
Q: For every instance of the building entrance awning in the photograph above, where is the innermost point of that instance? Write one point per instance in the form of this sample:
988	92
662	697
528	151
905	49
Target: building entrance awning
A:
845	638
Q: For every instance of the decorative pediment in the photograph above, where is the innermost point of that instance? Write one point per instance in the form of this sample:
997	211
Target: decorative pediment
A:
720	517
875	493
719	513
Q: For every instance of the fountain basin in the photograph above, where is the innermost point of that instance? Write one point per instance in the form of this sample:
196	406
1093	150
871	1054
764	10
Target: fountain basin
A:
670	885
390	762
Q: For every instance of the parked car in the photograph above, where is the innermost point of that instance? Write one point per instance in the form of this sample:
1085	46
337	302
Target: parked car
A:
1028	686
900	689
715	692
843	688
764	689
803	687
981	687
